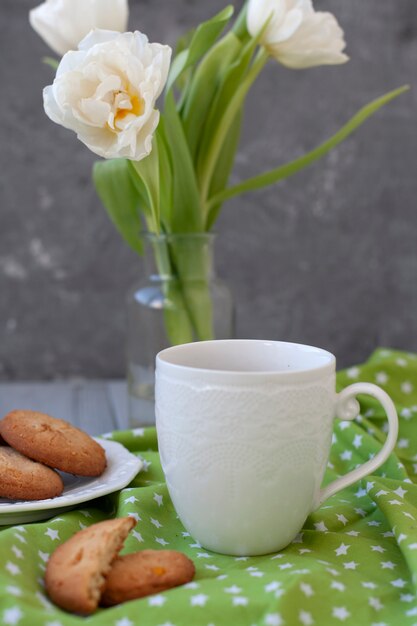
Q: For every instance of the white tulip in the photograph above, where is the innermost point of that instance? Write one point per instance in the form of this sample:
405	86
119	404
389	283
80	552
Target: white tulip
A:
296	35
62	24
106	92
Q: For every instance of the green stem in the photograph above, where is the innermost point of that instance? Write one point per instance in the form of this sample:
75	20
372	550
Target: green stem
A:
285	171
226	121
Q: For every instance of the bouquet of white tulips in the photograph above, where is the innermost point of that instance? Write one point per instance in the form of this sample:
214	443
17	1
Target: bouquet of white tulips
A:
168	170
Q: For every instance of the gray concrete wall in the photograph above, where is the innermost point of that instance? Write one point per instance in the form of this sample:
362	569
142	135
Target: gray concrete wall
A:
328	257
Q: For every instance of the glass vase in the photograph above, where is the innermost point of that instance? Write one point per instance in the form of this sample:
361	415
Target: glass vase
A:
180	300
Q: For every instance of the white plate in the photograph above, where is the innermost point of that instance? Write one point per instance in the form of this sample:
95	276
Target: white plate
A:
122	467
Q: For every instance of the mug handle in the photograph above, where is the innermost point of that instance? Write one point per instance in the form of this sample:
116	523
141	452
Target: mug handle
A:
347	408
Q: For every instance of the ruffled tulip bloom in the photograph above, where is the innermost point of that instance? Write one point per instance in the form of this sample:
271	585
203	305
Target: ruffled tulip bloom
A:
62	24
295	34
106	92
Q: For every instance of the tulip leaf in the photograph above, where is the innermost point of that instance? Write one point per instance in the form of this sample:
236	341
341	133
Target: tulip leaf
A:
120	197
224	165
186	214
165	178
223	113
148	172
54	63
274	176
204	37
240	28
202	91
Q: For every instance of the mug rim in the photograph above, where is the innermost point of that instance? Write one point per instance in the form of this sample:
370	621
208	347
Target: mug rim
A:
190	370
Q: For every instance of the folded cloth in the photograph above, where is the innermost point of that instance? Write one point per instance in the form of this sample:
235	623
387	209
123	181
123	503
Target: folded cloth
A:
355	561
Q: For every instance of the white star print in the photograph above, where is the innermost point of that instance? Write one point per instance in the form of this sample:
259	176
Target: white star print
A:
13	568
199	600
212	567
285	566
203	555
342	549
240	601
161	541
408	515
353	372
304	550
185	534
360	493
321	527
388	565
343	425
403	443
156	523
43	555
195	545
307	589
389	533
52	534
138	432
273	586
412	612
135	516
407	387
157	601
146	465
337	585
14	591
20	538
374	523
125	621
369	585
243	558
400	583
12	616
407	597
400	492
357	441
340	612
332	571
342	518
413	546
18	553
273	619
401	537
381	492
137	535
131	500
375	603
398	502
305	618
350	565
381	378
377	549
260	574
360	512
406	414
233	589
353	533
346	455
195	585
158	499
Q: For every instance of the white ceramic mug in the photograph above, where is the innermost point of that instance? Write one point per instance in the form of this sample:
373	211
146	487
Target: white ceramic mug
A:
244	430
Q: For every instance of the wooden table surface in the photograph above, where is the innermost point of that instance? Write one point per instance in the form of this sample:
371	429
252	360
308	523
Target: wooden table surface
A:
96	406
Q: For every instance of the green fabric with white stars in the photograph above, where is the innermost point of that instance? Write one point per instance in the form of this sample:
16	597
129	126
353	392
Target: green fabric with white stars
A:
355	562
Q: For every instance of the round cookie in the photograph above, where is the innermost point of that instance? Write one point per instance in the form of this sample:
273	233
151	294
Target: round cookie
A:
76	571
144	573
23	479
53	442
